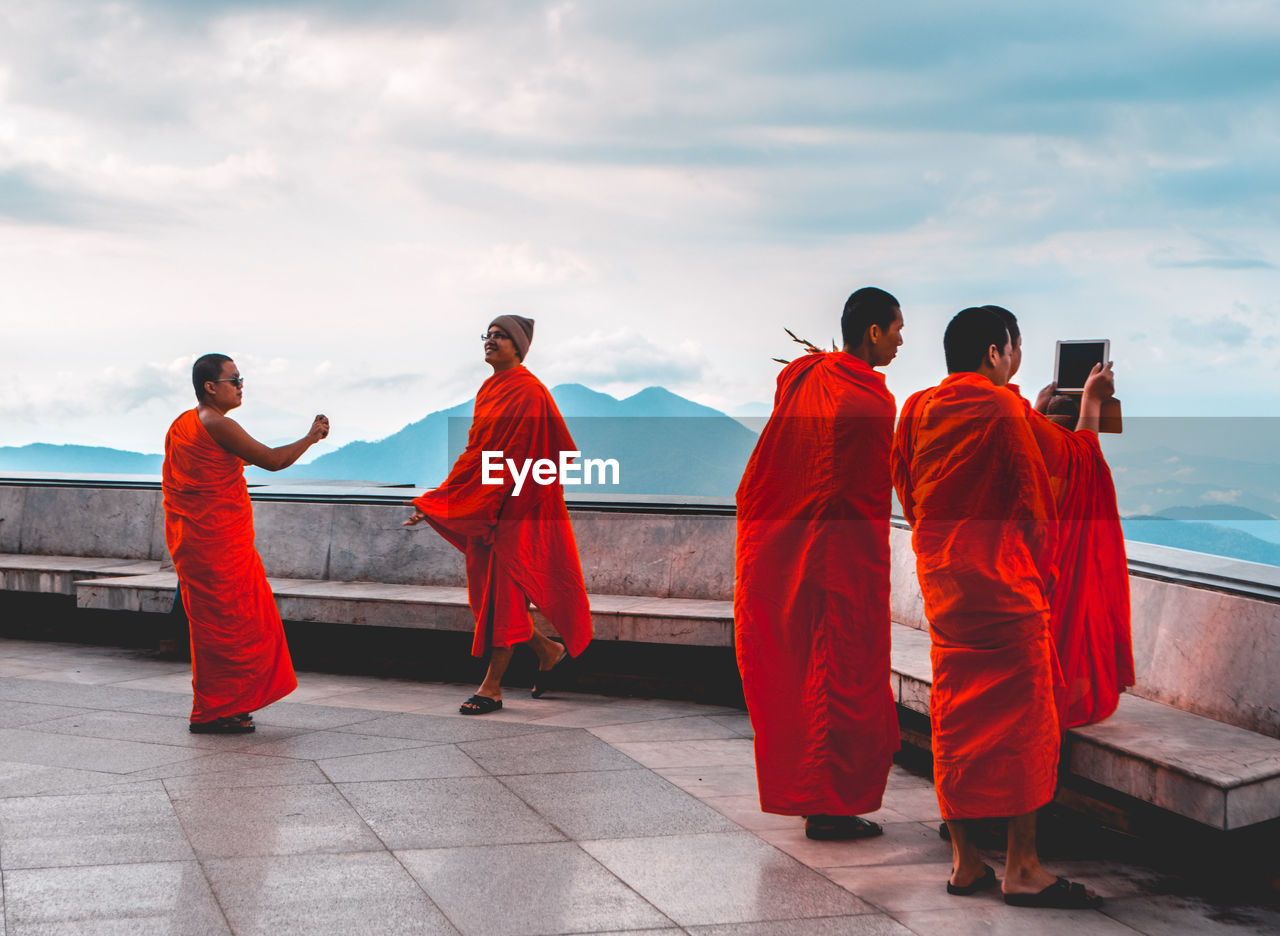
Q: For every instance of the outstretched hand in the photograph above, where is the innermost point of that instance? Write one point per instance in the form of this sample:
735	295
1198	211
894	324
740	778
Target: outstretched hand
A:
1101	384
418	516
319	428
1044	396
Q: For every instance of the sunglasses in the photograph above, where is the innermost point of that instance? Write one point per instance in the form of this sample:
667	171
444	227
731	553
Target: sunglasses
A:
236	382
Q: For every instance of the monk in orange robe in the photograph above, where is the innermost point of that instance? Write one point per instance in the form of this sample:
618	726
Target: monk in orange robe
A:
514	529
1089	607
811	603
239	658
973	486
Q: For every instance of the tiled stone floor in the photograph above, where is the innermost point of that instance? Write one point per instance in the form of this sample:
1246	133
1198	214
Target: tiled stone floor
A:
366	805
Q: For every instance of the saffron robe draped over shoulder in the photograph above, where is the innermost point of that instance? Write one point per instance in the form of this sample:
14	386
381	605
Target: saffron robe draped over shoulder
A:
519	547
811	603
1089	607
974	488
239	659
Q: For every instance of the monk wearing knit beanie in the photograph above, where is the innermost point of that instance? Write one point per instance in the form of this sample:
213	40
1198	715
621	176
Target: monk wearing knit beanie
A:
519	328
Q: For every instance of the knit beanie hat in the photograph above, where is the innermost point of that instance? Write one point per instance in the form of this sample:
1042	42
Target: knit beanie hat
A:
519	328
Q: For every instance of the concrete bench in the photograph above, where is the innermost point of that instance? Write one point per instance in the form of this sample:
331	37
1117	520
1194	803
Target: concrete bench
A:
1199	736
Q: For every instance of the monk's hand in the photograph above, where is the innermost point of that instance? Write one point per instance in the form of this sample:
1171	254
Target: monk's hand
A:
319	428
418	517
1101	384
1044	396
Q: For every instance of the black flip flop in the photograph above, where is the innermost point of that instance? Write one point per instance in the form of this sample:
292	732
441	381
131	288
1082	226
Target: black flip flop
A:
985	880
549	679
229	724
1060	895
835	828
479	705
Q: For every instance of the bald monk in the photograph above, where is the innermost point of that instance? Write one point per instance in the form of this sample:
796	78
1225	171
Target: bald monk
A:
974	488
518	542
239	658
811	603
1089	606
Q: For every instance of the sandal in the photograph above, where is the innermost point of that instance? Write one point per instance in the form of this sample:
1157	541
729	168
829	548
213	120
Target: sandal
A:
832	828
549	678
228	724
1060	895
985	880
479	705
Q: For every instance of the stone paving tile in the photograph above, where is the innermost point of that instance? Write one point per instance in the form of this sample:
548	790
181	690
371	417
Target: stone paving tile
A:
713	781
315	745
869	924
114	900
421	763
745	811
614	804
905	887
282	773
133	726
727	877
320	895
37	780
94	674
19	667
103	754
526	890
902	843
910	803
443	729
1188	916
682	728
111	698
741	723
89	829
274	820
994	918
289	714
211	762
23	714
735	752
446	812
565	751
164	682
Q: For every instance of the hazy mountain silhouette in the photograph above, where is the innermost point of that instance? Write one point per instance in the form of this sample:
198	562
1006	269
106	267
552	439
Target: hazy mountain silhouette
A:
77	459
1201	537
664	444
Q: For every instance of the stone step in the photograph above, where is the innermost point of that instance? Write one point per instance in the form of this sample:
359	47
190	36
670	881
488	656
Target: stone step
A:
1217	774
57	575
680	621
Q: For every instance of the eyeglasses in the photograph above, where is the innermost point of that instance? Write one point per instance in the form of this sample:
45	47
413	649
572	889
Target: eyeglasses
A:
236	382
495	336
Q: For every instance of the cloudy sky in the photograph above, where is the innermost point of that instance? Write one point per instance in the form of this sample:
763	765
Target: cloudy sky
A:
342	194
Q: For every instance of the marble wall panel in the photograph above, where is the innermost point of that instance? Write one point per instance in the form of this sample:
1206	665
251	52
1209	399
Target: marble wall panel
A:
906	604
1208	652
160	548
370	545
1253	803
702	557
293	539
89	522
12	500
625	554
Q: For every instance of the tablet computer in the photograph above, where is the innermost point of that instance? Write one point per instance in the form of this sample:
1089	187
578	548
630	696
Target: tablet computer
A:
1075	361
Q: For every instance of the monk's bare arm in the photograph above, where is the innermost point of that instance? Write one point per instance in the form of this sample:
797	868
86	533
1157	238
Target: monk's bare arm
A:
1100	387
231	436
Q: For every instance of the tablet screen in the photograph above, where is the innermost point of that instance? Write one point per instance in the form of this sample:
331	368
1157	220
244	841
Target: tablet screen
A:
1075	361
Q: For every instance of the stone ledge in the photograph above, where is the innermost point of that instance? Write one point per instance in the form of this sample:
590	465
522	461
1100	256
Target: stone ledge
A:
1217	774
57	575
682	621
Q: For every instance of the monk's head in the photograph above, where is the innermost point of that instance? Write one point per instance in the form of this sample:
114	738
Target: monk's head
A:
217	381
871	326
506	342
1015	335
976	341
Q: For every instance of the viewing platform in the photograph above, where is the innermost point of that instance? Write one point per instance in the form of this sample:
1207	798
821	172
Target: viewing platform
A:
367	785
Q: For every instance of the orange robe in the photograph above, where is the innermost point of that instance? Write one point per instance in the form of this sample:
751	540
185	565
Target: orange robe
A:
239	659
519	548
974	489
1089	607
811	603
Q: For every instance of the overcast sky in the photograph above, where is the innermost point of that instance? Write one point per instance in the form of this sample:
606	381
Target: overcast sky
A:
341	195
